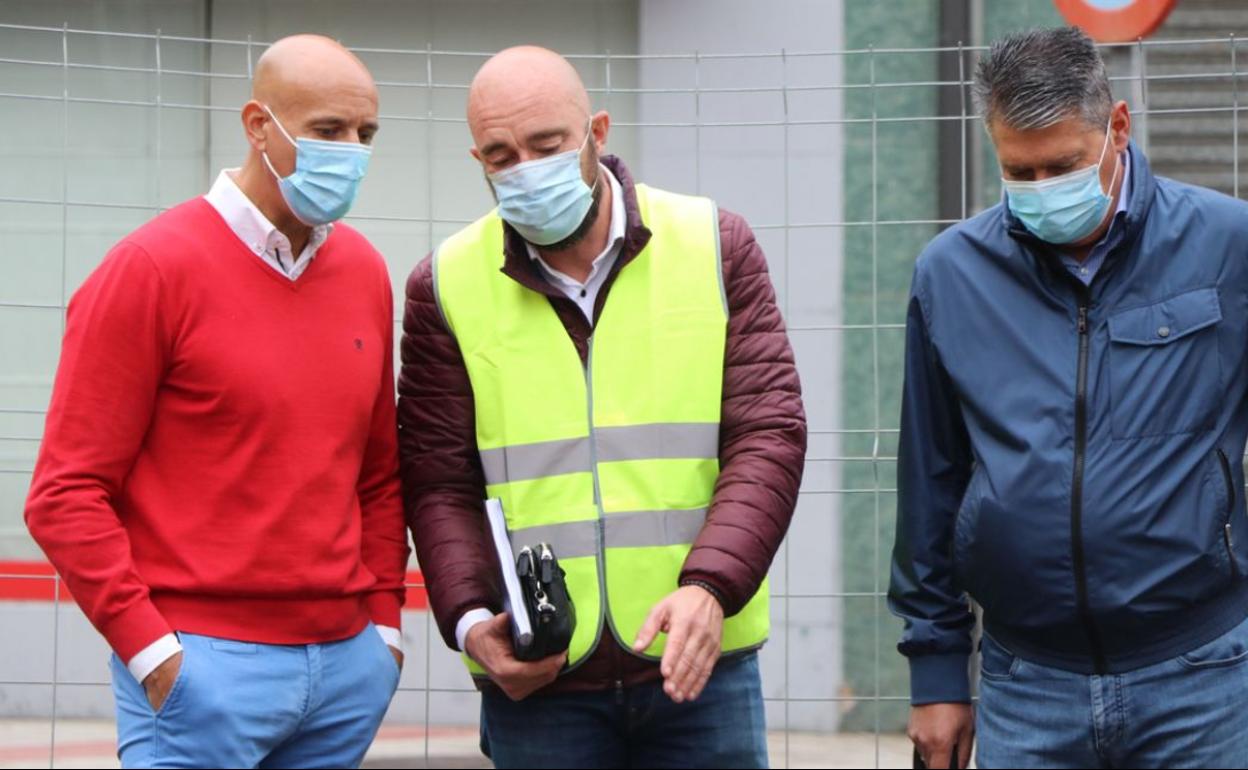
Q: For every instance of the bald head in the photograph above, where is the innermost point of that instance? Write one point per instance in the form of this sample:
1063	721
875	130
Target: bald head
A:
526	74
309	67
528	102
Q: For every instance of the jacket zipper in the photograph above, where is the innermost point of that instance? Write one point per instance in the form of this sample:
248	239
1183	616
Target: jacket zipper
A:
1230	511
1076	495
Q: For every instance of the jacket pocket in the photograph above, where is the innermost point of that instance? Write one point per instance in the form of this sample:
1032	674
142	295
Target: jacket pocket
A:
1228	532
1165	372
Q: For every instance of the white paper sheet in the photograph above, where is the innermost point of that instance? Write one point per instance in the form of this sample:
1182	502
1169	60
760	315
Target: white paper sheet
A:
513	596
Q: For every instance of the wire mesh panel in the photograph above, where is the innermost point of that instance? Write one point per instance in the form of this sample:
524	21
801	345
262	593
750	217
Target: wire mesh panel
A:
121	125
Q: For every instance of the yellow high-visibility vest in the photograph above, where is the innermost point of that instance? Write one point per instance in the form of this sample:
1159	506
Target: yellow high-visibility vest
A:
613	463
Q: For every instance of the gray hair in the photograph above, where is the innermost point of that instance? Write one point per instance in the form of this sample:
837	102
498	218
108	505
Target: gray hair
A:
1034	79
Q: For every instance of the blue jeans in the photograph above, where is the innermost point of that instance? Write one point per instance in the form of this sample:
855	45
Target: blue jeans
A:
1191	711
236	704
636	727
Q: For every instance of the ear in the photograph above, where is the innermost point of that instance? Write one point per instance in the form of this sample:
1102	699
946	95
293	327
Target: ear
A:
475	153
600	126
1120	126
255	120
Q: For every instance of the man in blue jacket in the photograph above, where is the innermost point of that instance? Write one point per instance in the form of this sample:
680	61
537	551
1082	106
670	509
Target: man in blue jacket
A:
1073	422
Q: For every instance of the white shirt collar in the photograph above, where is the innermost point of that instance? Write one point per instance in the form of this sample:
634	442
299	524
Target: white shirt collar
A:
257	233
1124	192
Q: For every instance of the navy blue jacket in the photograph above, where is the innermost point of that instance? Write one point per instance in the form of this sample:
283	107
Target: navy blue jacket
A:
1070	456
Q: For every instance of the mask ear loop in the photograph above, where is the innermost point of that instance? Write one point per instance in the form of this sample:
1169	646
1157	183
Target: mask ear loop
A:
589	132
264	153
1117	159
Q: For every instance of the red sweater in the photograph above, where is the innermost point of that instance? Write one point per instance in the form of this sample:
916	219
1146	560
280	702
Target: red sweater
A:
220	452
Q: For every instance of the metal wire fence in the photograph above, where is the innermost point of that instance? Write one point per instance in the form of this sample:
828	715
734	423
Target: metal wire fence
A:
1184	95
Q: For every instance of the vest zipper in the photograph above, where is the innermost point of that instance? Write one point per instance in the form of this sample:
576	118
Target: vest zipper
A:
1230	511
1076	493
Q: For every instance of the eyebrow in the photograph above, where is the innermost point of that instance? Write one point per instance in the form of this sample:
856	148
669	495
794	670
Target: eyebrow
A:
326	120
338	122
543	136
1068	160
493	147
532	139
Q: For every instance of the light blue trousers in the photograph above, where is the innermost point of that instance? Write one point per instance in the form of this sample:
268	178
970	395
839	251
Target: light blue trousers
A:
236	704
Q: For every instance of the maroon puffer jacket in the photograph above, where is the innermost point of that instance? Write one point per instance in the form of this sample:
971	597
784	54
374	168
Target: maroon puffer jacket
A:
762	443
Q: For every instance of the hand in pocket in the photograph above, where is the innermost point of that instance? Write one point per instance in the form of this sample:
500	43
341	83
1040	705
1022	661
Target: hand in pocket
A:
159	683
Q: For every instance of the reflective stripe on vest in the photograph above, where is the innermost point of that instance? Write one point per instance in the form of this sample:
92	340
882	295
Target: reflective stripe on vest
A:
633	442
613	463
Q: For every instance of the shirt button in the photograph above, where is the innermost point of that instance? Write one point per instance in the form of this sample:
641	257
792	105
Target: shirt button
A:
584	293
1083	271
1163	332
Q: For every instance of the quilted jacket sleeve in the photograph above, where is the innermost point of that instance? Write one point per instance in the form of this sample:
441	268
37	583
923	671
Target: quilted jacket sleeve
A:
762	432
443	485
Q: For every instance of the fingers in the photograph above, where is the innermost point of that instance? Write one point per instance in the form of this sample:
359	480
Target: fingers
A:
656	621
516	678
966	742
692	649
519	679
688	669
674	651
499	624
943	733
549	668
711	657
154	698
938	758
693	670
943	752
489	643
964	752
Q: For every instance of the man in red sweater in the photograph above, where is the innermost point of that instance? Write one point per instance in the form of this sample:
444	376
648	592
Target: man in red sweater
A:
217	482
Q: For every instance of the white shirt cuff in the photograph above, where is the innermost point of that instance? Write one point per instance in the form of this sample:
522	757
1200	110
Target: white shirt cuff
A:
151	656
467	621
391	636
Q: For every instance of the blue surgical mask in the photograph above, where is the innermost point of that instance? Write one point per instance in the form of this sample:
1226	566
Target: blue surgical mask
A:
544	199
326	178
1066	208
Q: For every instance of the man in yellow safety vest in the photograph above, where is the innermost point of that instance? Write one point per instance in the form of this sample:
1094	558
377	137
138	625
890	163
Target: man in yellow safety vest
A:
608	360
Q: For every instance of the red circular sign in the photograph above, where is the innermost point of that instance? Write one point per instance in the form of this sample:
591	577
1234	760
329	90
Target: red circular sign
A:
1115	21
